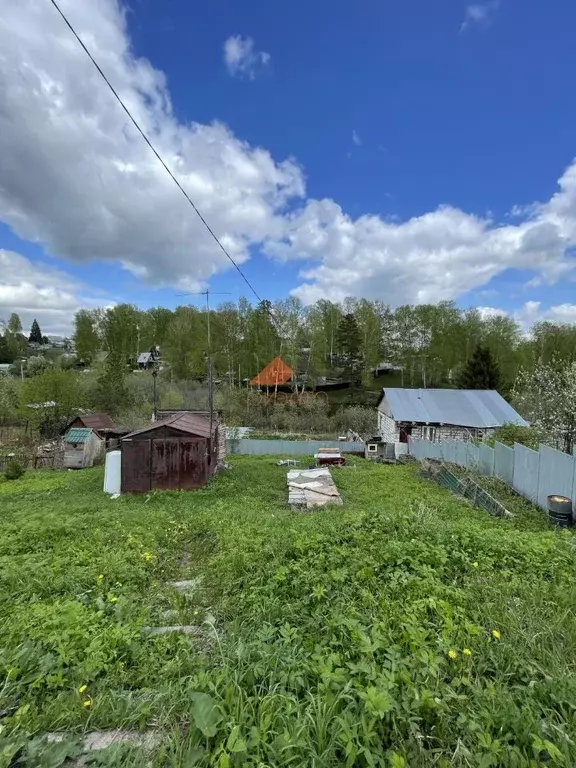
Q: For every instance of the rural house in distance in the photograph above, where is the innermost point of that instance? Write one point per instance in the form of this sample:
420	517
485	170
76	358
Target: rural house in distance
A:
442	414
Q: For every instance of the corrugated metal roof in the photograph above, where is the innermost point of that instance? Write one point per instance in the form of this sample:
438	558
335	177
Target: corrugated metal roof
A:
276	373
77	435
97	421
188	423
479	408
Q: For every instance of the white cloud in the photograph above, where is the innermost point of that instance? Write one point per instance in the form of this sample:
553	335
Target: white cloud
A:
242	59
487	312
356	139
478	13
439	255
76	176
532	312
35	291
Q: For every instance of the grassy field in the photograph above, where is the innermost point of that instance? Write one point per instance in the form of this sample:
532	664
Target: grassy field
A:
402	629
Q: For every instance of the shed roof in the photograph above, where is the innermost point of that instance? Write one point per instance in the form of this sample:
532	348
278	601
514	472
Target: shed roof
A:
144	357
78	435
187	423
277	372
98	421
478	408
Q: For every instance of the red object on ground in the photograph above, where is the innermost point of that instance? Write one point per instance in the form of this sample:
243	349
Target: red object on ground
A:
329	456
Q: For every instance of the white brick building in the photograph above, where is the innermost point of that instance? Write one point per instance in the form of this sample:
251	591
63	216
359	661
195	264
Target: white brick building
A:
442	414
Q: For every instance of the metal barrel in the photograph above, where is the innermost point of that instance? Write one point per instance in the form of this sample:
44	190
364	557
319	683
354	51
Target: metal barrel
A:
560	510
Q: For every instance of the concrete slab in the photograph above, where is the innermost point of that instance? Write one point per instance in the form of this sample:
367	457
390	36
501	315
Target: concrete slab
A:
188	585
97	740
312	488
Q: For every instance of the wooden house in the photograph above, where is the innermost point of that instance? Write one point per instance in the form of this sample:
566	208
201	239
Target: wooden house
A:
176	453
102	425
81	446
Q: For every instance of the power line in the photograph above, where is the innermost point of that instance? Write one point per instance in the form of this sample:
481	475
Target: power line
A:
154	150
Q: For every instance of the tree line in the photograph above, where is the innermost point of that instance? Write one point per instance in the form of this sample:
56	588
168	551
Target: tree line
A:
13	342
429	344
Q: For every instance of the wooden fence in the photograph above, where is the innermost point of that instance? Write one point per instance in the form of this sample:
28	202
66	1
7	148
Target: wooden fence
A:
32	461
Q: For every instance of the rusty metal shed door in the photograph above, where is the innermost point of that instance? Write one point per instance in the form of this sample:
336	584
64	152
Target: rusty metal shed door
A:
177	463
193	463
135	466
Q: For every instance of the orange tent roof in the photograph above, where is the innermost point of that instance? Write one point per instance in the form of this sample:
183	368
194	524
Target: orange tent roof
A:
275	373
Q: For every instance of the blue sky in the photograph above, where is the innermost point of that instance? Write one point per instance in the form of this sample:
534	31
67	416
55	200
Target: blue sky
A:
386	150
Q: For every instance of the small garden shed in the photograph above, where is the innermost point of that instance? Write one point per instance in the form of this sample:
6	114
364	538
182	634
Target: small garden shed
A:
177	453
81	446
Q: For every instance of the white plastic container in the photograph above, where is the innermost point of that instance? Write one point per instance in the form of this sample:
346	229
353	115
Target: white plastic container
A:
112	472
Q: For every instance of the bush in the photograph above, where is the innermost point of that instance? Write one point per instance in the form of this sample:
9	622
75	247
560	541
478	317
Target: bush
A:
14	470
508	434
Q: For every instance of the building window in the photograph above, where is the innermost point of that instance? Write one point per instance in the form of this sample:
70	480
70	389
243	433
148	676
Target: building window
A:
372	448
429	433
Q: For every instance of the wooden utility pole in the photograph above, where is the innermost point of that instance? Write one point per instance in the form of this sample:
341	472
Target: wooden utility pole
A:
207	293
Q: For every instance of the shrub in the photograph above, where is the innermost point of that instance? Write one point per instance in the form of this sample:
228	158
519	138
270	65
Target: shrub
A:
14	470
508	434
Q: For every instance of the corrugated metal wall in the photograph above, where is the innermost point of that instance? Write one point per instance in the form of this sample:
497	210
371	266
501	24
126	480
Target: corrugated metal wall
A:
289	447
526	472
504	463
556	474
534	474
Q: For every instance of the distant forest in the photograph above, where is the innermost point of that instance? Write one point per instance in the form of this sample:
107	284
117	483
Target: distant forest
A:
431	344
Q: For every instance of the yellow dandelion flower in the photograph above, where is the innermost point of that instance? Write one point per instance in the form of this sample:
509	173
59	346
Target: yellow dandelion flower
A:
475	565
495	634
100	577
87	703
467	652
113	599
82	688
148	556
452	655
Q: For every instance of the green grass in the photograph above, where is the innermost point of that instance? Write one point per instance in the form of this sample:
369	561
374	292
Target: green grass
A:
329	636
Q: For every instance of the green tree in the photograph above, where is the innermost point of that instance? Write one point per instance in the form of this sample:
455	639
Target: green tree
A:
86	339
369	324
261	339
8	398
37	364
481	371
14	325
112	393
6	355
15	339
56	395
120	329
546	397
35	336
185	345
349	348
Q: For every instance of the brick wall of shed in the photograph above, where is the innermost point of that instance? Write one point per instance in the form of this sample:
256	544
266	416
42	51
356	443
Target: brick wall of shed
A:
221	442
388	428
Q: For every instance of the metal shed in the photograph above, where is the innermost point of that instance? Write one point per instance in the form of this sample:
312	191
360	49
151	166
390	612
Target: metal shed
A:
177	453
81	446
